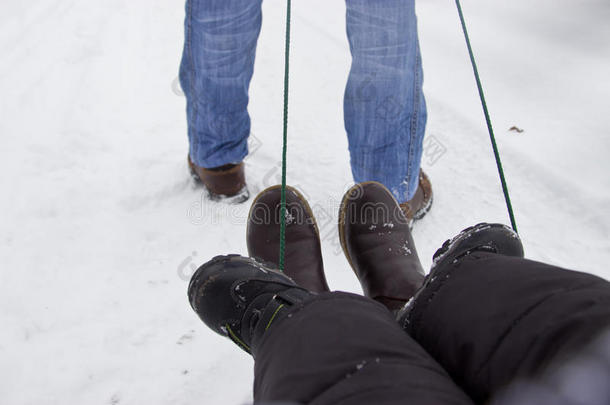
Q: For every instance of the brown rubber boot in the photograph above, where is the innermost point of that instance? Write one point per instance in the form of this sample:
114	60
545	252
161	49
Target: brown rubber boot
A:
303	254
377	242
420	204
226	182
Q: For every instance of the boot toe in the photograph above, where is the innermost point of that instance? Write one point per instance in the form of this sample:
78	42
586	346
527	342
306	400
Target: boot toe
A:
221	288
495	238
303	253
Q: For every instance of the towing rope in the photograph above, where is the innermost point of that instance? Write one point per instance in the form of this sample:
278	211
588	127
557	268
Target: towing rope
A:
492	137
283	212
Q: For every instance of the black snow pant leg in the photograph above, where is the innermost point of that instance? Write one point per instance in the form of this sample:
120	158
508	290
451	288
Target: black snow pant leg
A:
489	319
340	348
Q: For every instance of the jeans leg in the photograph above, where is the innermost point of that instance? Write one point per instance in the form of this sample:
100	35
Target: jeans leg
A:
340	348
384	107
489	319
215	73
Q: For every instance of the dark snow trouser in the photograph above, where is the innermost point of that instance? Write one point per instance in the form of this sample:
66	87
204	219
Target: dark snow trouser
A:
479	325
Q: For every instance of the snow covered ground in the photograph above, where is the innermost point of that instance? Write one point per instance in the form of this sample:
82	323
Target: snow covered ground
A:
101	224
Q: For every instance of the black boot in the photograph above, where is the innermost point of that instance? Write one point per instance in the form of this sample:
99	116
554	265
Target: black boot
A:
240	298
483	237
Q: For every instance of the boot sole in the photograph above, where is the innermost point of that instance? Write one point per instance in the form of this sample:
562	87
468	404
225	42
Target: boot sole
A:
460	243
424	210
240	197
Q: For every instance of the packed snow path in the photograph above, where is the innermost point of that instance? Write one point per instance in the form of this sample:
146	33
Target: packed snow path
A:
102	224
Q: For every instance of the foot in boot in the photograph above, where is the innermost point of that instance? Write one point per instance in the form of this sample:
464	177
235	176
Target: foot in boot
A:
303	254
377	242
418	206
483	237
240	298
226	183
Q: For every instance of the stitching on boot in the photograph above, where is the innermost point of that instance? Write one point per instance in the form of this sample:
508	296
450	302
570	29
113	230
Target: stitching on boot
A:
273	316
237	340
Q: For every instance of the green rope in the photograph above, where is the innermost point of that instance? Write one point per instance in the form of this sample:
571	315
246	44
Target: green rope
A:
285	140
489	127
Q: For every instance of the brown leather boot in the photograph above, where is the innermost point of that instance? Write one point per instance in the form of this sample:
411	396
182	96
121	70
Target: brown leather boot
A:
226	182
377	242
420	204
303	254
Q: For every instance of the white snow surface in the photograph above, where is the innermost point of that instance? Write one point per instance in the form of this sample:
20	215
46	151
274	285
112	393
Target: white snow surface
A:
101	223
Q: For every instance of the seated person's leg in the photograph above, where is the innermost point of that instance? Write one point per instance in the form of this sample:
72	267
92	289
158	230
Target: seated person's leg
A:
328	348
489	316
325	349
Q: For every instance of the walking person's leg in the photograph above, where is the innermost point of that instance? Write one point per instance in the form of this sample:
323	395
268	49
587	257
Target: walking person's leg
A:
385	110
215	73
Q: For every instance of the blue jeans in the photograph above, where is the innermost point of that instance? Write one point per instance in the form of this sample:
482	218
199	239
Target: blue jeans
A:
384	107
